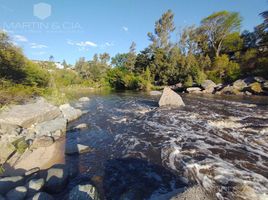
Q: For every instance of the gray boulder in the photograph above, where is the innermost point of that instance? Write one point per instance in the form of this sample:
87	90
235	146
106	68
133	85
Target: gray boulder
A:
193	90
19	193
155	93
43	141
72	147
84	99
208	86
6	150
170	98
240	84
69	112
29	114
193	193
265	85
56	179
34	186
41	196
9	183
84	192
54	128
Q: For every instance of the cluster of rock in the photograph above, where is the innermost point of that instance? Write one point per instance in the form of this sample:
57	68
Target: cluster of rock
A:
33	125
247	86
43	185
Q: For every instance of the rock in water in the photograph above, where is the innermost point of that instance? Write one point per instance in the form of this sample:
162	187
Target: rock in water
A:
42	196
193	90
84	99
208	86
8	183
57	178
170	98
69	112
84	192
19	193
34	186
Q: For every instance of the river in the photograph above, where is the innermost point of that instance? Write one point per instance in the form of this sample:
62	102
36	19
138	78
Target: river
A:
141	151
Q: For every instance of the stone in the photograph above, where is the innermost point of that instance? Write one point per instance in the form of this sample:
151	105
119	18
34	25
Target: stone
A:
9	183
255	88
193	193
81	126
155	93
248	93
259	79
72	147
84	99
265	85
29	114
208	85
240	84
32	171
84	192
53	128
19	193
43	141
34	186
231	90
56	179
41	196
6	150
69	112
10	129
193	90
170	98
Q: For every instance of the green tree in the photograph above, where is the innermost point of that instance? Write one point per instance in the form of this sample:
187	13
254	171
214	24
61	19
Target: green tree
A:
162	32
218	26
131	57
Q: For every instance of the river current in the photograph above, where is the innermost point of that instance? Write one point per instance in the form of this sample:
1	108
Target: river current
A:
141	151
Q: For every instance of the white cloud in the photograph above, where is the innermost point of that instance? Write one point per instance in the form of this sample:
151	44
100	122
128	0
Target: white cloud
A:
37	46
82	44
109	44
125	28
20	38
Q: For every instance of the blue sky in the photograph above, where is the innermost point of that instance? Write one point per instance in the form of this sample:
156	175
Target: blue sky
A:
82	28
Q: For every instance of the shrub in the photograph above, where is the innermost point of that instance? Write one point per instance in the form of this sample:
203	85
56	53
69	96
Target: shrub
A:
189	81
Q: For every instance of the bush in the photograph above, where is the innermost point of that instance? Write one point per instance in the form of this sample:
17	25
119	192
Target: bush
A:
119	78
35	75
189	81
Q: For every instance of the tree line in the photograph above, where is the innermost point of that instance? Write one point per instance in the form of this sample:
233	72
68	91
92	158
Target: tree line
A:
215	50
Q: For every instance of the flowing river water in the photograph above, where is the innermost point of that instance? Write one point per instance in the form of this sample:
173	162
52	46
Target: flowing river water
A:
141	151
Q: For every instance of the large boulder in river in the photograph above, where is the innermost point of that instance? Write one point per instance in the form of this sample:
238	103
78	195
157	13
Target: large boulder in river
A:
8	183
43	141
170	98
56	179
69	112
29	114
84	192
255	88
208	86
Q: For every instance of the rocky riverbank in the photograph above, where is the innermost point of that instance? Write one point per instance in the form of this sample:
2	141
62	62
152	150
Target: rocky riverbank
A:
32	139
247	86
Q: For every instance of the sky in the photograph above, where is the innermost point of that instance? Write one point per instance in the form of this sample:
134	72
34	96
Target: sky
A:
70	29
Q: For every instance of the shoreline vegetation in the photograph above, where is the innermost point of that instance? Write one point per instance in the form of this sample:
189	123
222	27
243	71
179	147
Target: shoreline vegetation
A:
215	50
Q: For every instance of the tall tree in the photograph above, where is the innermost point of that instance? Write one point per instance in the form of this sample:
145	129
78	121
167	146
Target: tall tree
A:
131	57
218	26
162	32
